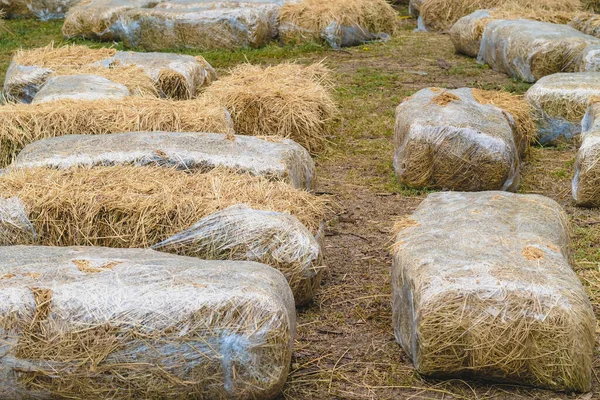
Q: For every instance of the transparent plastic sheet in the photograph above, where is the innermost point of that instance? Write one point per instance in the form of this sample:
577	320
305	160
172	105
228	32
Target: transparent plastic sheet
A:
15	227
483	287
559	103
81	88
530	50
414	7
466	32
448	140
91	323
587	23
43	10
335	35
586	182
275	158
175	76
589	59
242	233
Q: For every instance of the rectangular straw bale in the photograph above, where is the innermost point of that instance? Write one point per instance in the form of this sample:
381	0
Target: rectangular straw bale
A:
100	323
586	182
41	9
21	124
483	287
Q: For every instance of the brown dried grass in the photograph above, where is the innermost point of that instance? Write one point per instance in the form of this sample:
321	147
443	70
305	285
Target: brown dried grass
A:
444	98
52	56
21	124
313	16
287	100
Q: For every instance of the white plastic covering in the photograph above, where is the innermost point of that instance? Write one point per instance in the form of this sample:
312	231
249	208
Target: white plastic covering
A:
22	82
42	9
80	87
242	233
15	227
559	103
530	50
483	286
586	182
462	145
589	59
335	35
466	33
97	323
280	159
414	7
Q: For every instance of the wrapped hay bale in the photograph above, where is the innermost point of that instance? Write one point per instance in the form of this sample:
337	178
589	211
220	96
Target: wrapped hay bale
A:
15	227
449	140
340	23
133	206
530	50
44	10
483	287
287	100
80	87
146	74
274	158
440	15
586	182
466	32
205	26
242	233
559	103
587	23
98	323
589	59
21	124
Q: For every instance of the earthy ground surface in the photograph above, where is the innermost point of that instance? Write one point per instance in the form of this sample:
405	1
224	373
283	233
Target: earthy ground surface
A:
345	347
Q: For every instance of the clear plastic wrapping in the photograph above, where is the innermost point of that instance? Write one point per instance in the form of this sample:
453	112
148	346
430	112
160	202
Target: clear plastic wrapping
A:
530	50
414	7
448	140
81	88
466	32
15	227
97	323
586	182
44	10
275	158
242	233
559	103
587	23
483	287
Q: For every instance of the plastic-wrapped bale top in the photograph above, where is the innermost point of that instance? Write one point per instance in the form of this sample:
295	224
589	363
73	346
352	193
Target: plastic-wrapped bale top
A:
559	103
80	87
483	287
188	213
15	227
448	140
175	76
589	59
466	32
97	323
587	23
242	233
586	182
530	50
42	9
277	158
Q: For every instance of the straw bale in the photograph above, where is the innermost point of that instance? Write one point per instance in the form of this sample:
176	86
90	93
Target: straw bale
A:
483	287
586	182
15	227
449	140
339	23
559	103
440	15
242	233
80	87
589	59
21	124
44	10
276	159
98	323
591	5
530	50
287	100
587	23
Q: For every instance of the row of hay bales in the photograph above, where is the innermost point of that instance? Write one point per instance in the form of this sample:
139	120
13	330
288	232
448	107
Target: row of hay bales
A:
226	24
153	183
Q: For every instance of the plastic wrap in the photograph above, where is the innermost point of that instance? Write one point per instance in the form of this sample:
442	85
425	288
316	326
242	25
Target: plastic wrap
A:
414	7
334	34
466	32
448	140
280	159
483	287
586	182
589	59
530	50
99	323
174	76
242	233
559	103
15	227
44	10
80	87
587	23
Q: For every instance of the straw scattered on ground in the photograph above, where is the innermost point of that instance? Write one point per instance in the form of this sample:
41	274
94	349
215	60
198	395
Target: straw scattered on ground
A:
287	100
21	124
